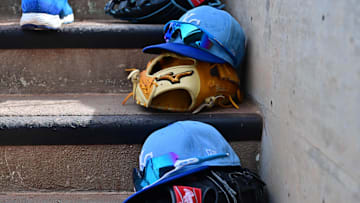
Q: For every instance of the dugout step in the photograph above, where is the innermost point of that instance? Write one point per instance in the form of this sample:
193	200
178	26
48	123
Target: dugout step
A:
77	119
79	197
81	34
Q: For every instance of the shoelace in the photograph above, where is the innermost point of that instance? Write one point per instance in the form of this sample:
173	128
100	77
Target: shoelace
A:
211	101
134	77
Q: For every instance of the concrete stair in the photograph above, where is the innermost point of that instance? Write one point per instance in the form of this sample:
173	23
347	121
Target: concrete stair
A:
64	135
84	57
57	197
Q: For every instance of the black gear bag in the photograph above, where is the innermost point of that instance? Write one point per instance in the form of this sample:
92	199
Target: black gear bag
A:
216	185
154	11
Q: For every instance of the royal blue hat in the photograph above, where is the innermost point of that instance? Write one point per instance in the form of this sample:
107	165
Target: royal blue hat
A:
219	24
184	148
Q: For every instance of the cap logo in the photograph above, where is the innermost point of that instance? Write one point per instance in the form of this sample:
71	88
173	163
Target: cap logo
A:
191	20
186	194
210	152
197	2
174	78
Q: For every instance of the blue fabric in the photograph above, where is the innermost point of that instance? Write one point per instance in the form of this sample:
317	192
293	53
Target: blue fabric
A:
154	165
67	10
53	7
187	139
221	25
134	197
151	175
186	51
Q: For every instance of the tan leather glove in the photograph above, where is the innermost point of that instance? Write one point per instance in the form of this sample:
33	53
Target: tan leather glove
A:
176	83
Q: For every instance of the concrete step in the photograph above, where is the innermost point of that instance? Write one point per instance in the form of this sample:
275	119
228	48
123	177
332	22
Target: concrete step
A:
62	125
83	9
90	142
81	168
101	119
85	57
62	197
46	71
81	34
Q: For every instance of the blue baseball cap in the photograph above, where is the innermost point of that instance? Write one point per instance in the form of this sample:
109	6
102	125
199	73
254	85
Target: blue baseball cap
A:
184	148
219	24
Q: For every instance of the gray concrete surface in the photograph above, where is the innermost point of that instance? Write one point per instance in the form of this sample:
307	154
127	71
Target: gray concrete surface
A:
67	168
64	197
303	70
89	105
81	34
45	71
83	9
71	168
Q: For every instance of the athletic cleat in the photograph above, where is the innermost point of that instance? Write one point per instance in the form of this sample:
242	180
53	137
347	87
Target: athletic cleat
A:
45	14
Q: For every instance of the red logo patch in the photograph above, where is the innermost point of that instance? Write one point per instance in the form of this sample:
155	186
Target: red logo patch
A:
197	2
186	194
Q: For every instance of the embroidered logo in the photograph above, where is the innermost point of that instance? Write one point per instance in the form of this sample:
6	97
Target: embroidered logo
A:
210	152
186	194
174	78
187	19
197	2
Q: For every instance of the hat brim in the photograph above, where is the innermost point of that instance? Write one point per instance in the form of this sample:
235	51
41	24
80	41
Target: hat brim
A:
184	50
181	174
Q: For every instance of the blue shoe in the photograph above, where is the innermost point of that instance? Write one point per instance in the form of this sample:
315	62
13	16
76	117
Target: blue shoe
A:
67	14
45	14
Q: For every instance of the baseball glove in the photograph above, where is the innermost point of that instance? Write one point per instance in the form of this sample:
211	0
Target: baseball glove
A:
181	84
154	11
217	185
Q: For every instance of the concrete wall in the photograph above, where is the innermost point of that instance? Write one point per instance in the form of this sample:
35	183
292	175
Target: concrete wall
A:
303	70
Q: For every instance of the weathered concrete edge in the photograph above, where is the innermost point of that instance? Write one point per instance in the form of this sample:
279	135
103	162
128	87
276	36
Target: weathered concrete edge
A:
83	168
82	35
64	196
117	129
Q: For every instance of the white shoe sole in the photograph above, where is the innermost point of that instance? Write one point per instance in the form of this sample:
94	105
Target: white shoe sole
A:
68	19
40	20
